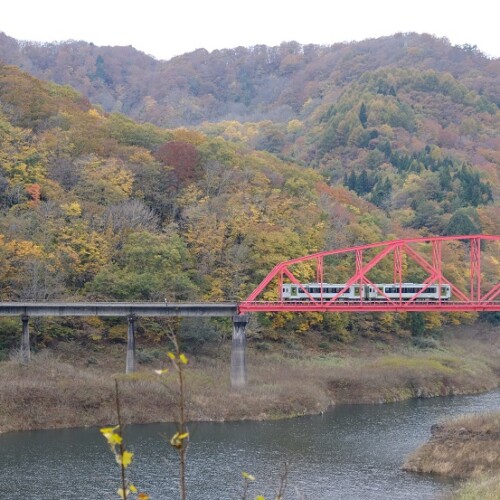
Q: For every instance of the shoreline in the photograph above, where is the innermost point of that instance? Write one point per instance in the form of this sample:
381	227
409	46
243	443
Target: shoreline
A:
464	448
51	393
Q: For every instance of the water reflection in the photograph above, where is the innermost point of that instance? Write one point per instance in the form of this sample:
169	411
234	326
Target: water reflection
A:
352	452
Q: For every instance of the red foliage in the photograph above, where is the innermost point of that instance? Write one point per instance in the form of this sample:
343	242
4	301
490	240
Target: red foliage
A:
34	191
183	157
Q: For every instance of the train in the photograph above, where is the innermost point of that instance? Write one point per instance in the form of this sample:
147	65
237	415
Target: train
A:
356	292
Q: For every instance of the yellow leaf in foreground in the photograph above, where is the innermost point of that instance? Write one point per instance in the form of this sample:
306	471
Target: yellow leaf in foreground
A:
108	430
161	372
248	476
125	459
177	438
143	496
183	359
171	355
111	436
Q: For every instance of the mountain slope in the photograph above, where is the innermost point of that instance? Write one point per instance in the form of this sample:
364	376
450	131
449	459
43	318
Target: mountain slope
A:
244	84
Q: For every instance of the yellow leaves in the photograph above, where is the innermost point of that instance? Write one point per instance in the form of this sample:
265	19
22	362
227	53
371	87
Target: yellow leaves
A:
93	113
191	195
105	182
294	126
115	439
131	489
182	358
21	249
72	209
88	249
248	476
23	162
177	439
111	436
125	459
108	430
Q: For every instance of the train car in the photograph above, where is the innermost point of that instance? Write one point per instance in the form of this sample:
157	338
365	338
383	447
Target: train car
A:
381	291
407	291
318	291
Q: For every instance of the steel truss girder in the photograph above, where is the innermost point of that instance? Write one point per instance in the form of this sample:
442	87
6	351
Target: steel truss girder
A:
473	300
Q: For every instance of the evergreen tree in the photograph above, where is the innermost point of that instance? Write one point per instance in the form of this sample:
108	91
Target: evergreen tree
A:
445	178
417	324
363	115
461	224
352	181
363	185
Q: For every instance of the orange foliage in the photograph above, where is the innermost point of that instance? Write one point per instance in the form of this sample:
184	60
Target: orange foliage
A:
34	191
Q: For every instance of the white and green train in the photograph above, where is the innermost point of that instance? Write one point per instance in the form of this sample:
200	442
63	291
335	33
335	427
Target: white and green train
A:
381	291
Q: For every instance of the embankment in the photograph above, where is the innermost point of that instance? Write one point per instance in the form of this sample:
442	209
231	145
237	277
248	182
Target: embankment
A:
74	386
466	448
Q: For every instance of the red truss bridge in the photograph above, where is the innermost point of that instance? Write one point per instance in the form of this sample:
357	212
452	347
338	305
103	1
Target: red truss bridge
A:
444	274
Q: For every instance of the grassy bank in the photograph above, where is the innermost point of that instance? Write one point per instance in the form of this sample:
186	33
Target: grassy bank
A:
467	448
72	386
485	488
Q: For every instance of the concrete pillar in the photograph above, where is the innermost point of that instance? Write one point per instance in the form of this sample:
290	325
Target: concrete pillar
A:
238	352
130	366
25	340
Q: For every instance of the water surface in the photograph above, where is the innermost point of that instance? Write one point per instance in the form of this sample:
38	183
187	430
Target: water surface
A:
352	452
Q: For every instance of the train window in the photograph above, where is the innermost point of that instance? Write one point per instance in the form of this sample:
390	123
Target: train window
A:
431	290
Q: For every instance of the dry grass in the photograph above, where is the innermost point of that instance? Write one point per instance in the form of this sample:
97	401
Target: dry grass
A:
467	447
486	488
73	386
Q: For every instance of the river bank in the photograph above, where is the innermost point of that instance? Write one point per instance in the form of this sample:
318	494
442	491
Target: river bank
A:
73	386
467	447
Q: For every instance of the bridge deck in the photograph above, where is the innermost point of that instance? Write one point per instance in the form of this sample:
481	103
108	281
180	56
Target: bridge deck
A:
368	306
124	309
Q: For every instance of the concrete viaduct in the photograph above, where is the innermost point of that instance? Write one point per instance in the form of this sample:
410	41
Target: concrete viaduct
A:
132	311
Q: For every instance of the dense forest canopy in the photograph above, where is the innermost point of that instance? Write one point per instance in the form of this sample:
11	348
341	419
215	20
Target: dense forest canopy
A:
127	178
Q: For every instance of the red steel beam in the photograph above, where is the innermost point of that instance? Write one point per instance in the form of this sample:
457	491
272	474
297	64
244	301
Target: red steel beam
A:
453	306
473	301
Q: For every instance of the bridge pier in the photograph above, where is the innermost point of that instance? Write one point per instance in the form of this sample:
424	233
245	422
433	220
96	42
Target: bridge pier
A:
25	340
130	363
238	352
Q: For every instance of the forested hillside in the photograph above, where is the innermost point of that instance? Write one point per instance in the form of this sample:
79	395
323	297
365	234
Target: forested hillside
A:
291	150
244	84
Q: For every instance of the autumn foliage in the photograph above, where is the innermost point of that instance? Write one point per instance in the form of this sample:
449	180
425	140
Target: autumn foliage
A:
309	148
